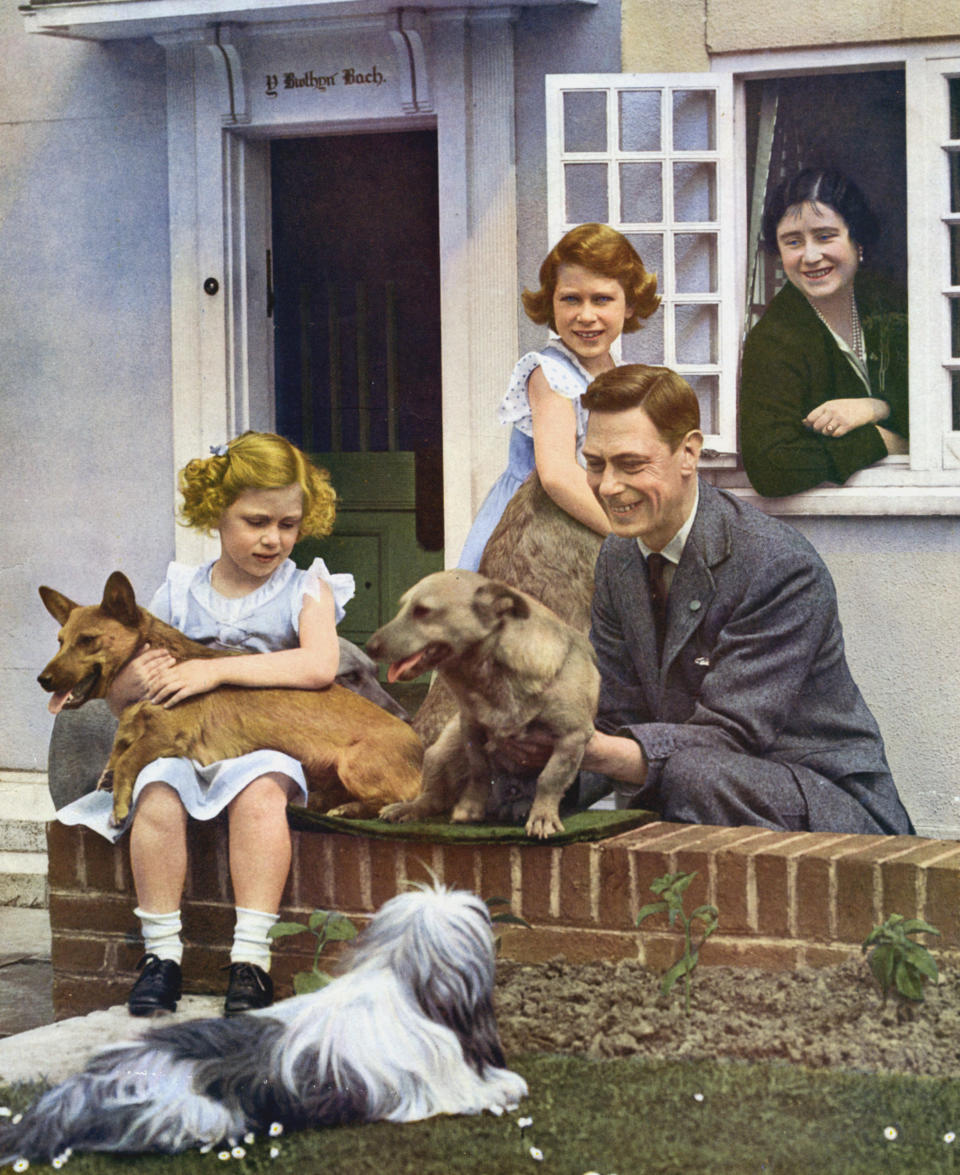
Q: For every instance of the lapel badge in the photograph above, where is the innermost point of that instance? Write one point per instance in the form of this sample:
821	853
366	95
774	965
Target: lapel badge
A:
703	661
694	605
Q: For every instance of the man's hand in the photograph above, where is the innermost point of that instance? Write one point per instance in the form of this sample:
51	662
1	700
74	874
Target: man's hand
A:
608	754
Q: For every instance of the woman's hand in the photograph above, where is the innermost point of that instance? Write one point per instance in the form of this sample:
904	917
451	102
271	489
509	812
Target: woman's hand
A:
134	682
835	418
172	683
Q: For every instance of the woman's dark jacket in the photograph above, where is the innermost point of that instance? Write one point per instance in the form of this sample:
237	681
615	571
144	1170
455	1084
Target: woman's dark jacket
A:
791	363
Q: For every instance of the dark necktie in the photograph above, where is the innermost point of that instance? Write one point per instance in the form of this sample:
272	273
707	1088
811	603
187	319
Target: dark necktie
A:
658	597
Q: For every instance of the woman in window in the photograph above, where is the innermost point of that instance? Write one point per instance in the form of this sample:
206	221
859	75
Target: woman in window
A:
823	388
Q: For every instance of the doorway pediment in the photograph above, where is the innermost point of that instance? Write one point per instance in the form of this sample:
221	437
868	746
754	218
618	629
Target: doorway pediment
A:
109	20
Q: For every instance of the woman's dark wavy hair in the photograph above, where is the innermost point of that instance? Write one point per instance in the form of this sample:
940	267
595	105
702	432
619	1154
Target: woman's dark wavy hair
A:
817	185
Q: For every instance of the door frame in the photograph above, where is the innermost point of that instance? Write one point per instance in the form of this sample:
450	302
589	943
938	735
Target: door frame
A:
222	345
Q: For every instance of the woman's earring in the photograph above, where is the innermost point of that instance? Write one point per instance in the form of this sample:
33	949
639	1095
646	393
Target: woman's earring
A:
860	253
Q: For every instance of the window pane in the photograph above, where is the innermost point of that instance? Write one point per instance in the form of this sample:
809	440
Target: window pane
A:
707	388
696	334
955	399
955	254
955	328
650	248
646	344
954	159
695	262
585	121
640	120
694	191
954	84
586	185
641	192
693	121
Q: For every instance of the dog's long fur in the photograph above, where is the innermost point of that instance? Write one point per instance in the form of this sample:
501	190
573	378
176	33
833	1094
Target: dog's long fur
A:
513	666
543	551
356	757
407	1032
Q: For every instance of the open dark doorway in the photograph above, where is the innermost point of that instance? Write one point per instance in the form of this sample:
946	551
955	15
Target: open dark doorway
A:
356	287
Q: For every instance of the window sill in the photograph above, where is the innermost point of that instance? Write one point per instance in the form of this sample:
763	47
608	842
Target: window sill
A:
888	488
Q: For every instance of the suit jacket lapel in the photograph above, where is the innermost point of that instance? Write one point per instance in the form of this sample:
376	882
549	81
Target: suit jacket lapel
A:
693	587
637	618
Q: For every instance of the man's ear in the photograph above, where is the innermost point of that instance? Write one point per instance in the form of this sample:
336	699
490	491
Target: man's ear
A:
692	446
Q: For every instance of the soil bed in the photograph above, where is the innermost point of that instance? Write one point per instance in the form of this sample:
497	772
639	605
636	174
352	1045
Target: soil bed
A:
822	1018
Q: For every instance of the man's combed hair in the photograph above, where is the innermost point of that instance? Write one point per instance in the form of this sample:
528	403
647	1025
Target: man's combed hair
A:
255	461
602	250
666	397
824	186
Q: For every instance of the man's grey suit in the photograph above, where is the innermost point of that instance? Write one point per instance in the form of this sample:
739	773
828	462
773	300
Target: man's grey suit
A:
753	717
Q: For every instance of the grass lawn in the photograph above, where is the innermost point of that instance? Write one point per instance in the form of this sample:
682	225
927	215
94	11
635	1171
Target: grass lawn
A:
631	1117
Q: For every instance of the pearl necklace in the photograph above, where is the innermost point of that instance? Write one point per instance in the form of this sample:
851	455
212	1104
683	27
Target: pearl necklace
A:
858	347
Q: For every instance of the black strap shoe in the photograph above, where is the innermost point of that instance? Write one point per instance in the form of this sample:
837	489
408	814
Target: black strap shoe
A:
250	988
157	989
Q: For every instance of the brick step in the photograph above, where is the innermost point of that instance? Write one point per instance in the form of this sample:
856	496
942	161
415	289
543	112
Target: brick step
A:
25	809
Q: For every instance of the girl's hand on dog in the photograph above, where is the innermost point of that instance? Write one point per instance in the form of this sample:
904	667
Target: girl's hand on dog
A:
134	682
178	680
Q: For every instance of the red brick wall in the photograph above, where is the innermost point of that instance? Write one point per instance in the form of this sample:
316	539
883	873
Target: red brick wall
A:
784	898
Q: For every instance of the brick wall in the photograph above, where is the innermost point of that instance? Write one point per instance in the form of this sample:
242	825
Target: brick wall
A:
784	898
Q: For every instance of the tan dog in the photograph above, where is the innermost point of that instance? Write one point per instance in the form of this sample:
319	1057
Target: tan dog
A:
540	549
512	666
356	757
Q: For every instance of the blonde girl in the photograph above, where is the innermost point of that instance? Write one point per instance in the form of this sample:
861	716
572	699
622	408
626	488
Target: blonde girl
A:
259	494
593	287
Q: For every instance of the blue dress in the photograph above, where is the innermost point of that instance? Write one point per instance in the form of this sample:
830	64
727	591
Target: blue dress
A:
264	621
569	379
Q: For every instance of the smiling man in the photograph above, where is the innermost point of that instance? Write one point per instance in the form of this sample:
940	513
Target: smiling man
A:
726	696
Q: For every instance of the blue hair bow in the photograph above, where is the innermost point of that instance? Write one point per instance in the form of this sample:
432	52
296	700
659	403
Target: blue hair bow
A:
219	450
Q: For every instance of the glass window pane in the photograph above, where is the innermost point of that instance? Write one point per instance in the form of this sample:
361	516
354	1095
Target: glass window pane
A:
954	84
955	328
695	263
641	193
707	388
694	126
586	185
955	254
646	344
640	120
585	120
955	399
650	248
694	191
696	328
954	158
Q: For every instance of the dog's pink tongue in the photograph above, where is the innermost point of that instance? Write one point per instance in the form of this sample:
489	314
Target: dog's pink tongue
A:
399	668
58	701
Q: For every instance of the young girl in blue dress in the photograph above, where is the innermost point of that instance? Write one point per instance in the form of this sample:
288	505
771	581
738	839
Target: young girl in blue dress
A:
593	287
260	493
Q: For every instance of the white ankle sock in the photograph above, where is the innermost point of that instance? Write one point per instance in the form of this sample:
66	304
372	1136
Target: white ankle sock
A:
250	941
161	934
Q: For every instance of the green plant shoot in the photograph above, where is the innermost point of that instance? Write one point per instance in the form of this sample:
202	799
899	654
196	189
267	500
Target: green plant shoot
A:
326	926
671	888
896	960
504	917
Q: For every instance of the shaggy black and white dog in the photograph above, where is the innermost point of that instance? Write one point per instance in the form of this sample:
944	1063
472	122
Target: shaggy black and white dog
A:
408	1031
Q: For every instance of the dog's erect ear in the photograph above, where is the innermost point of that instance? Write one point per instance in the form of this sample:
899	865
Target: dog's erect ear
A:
494	600
56	604
119	601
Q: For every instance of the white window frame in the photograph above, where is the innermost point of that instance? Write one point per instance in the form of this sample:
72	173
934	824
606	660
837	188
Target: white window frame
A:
722	442
927	481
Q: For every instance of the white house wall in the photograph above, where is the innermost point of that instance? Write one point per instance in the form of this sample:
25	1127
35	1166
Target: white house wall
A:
85	478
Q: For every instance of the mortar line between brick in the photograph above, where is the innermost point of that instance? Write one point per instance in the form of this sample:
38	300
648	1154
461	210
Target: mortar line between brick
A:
922	894
712	879
752	899
877	875
295	868
365	869
436	863
595	883
556	856
478	872
832	915
82	861
792	896
516	879
401	873
633	885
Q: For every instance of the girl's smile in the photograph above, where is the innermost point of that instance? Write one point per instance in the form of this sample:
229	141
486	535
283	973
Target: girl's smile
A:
257	532
589	311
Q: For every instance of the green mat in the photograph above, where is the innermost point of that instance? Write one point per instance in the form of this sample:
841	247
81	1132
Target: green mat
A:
594	824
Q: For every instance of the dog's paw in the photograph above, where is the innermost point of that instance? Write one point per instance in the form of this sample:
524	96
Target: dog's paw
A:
469	812
105	782
401	813
119	815
544	821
